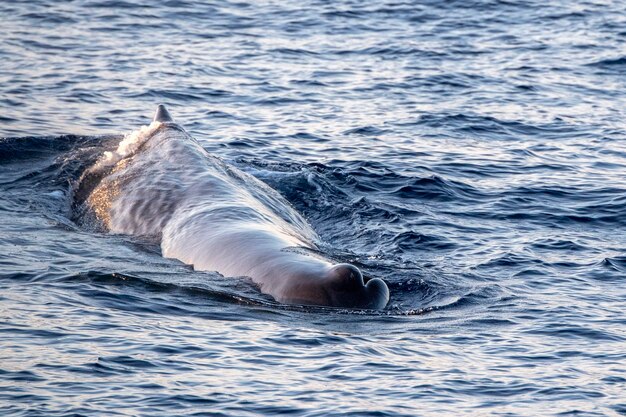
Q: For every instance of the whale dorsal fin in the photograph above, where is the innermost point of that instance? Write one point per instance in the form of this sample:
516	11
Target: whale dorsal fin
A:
162	115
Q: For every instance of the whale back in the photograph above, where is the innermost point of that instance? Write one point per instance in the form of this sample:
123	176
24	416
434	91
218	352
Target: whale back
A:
156	170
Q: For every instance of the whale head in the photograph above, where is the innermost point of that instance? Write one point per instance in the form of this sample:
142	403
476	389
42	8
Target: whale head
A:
340	286
346	287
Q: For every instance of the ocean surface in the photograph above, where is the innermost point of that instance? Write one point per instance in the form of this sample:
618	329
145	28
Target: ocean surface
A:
470	153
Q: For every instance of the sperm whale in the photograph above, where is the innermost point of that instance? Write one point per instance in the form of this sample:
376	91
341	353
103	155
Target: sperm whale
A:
161	183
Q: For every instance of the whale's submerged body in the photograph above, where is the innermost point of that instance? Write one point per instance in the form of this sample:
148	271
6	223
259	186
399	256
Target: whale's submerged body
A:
162	184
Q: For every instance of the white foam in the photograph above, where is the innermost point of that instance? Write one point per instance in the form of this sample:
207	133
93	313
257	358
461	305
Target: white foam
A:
131	142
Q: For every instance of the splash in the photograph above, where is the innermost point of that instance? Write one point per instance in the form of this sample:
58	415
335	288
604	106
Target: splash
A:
131	142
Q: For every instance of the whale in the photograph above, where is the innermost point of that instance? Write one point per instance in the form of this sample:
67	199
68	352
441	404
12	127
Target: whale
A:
162	185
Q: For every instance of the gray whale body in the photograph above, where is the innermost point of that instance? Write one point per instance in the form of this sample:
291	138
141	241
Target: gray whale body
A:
161	184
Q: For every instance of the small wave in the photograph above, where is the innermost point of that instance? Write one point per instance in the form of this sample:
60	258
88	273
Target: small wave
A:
116	4
609	62
293	51
435	188
490	126
365	131
616	263
190	94
557	244
573	331
17	150
50	17
411	241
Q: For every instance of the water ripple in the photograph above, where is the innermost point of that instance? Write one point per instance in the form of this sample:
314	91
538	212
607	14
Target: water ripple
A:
470	153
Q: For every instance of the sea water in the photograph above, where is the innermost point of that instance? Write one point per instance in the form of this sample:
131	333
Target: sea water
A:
470	153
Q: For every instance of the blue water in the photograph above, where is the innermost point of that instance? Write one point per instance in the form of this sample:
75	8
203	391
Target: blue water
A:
470	153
